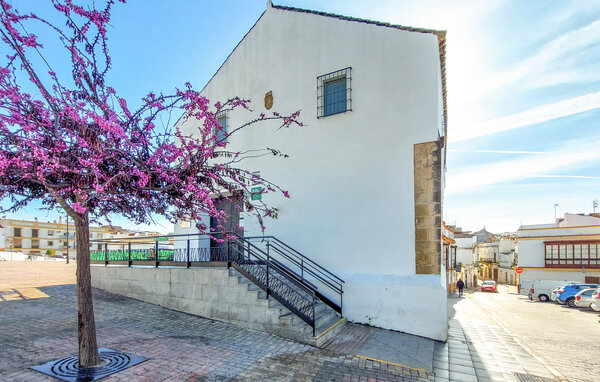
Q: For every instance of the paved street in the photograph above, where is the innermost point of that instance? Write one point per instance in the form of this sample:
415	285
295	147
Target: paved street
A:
566	339
510	339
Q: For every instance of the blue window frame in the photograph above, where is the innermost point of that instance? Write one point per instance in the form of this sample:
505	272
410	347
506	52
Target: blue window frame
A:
335	96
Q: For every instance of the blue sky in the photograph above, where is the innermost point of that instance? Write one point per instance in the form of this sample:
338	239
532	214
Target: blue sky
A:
523	90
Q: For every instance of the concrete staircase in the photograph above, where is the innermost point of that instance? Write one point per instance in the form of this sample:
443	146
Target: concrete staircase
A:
328	322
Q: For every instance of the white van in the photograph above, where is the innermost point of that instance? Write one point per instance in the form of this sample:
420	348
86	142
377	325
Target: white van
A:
525	287
542	289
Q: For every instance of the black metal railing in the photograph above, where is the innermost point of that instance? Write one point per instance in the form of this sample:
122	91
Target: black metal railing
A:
291	278
331	286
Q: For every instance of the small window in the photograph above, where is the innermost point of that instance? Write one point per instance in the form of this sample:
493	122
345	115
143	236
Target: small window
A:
334	93
34	233
50	232
50	243
221	130
17	232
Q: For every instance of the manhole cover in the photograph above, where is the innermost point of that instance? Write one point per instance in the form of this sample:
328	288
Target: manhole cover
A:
532	378
68	369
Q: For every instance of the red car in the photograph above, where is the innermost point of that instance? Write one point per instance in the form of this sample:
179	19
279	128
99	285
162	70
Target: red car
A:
489	286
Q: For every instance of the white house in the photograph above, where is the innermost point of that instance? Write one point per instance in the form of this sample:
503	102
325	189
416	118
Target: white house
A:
569	249
465	242
365	171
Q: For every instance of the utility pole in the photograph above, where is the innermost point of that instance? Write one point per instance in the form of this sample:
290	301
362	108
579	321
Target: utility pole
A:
555	205
595	205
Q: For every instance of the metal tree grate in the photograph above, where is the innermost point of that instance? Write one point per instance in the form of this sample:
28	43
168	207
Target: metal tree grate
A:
68	369
532	378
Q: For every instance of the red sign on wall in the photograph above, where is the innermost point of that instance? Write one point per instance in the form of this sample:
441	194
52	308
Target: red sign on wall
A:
519	270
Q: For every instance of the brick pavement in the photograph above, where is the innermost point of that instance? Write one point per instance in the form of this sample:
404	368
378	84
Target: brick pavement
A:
179	346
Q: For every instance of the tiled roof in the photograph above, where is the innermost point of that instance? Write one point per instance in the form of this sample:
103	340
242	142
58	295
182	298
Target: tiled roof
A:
441	35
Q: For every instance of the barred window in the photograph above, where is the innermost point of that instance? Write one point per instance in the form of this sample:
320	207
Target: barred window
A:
334	93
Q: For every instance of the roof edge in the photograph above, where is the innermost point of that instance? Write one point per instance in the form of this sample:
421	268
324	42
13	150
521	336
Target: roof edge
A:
441	35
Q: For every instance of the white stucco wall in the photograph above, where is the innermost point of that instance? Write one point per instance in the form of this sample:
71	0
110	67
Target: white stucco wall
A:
553	274
350	176
531	241
464	249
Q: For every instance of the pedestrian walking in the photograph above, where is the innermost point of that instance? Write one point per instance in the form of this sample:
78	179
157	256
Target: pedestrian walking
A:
460	285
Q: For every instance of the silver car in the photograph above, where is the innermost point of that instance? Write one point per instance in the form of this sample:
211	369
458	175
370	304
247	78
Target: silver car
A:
583	299
596	300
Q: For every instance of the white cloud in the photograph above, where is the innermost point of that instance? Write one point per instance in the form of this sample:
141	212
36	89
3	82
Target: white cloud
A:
573	156
562	46
529	117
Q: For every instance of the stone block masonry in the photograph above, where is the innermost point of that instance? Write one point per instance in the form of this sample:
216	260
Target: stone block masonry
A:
428	206
208	292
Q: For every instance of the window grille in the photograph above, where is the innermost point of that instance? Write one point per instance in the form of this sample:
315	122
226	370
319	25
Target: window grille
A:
334	93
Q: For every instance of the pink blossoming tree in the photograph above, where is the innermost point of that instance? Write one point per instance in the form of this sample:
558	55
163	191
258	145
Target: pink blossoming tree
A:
76	144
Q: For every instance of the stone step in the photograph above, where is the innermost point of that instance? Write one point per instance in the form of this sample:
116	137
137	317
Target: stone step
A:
328	322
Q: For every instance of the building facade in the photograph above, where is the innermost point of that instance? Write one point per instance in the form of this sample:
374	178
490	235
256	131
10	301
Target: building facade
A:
449	257
365	171
507	260
466	270
569	249
35	238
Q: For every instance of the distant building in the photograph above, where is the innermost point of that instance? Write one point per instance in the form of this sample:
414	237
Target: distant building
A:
449	257
495	258
32	237
507	260
569	249
465	247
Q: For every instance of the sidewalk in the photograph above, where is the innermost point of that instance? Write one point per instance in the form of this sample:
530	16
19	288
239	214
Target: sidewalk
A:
479	350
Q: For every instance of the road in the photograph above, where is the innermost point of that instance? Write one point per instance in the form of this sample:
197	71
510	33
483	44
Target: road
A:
565	340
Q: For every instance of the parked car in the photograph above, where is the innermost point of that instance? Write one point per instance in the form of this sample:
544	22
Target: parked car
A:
555	293
489	286
543	289
583	299
568	292
595	305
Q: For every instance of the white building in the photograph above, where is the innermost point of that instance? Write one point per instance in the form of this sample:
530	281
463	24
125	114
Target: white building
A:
507	260
365	171
465	243
566	250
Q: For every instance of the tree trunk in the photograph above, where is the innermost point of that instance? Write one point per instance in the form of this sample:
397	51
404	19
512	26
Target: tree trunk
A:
88	348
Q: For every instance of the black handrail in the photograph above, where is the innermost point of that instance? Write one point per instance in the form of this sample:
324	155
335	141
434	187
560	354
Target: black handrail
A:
298	254
327	278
